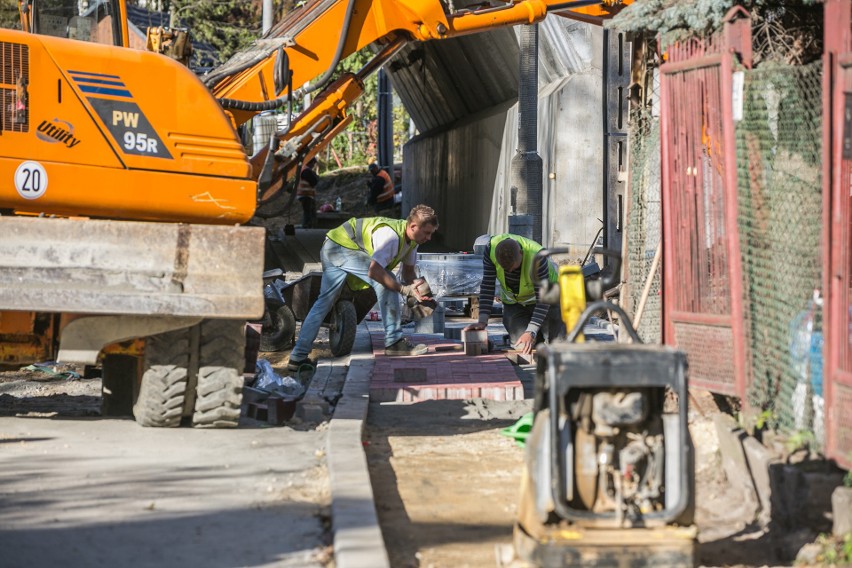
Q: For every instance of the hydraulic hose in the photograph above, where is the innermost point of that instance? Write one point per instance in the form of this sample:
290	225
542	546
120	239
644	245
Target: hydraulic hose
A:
251	106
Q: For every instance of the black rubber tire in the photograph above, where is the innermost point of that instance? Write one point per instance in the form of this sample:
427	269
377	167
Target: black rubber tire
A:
344	323
164	379
280	333
219	389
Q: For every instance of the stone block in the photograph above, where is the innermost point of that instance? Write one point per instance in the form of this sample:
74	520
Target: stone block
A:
841	507
760	460
453	332
410	376
734	461
432	324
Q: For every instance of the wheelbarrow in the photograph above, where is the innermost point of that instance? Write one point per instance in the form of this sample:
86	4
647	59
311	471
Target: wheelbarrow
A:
342	321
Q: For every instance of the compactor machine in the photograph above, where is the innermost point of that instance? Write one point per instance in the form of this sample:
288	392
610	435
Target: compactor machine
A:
609	470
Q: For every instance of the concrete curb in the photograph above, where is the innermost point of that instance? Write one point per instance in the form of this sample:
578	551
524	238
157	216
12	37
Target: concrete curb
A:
358	541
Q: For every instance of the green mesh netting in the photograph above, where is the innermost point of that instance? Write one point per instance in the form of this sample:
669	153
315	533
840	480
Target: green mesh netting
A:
644	224
779	161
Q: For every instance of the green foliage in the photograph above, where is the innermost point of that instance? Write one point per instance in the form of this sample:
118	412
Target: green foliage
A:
686	19
799	440
356	146
764	419
9	16
227	25
835	551
847	479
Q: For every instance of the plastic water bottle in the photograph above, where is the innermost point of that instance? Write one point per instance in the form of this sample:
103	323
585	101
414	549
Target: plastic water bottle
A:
338	204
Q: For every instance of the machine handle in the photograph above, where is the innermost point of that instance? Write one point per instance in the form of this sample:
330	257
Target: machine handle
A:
597	306
549	291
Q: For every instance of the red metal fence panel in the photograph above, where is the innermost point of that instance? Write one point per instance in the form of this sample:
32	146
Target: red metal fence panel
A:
703	310
837	99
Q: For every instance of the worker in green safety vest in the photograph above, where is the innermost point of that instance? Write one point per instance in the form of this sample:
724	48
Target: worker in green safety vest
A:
363	252
508	258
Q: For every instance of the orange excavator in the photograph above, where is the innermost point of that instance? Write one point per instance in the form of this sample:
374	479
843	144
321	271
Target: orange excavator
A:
125	186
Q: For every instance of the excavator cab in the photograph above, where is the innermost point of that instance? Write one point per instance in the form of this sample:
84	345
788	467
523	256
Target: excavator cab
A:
95	21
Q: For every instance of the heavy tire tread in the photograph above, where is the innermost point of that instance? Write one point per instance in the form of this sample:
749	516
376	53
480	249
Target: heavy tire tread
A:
219	390
283	332
164	380
345	319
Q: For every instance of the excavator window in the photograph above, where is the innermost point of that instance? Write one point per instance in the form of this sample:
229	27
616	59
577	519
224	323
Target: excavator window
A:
94	21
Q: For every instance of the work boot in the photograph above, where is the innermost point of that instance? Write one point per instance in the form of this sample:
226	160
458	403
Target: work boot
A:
305	364
404	348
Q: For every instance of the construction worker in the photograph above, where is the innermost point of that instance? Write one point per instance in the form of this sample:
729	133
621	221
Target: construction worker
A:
508	258
381	188
364	252
306	193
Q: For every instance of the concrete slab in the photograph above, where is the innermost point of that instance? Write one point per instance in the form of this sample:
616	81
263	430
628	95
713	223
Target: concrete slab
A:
358	541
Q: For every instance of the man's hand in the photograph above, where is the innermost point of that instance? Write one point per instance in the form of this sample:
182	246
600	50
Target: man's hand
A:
410	291
525	343
474	326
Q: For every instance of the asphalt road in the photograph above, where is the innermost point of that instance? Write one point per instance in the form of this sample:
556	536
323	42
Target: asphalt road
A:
101	492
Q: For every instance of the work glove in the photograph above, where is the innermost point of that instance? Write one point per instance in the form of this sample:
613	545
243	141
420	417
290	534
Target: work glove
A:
411	294
409	291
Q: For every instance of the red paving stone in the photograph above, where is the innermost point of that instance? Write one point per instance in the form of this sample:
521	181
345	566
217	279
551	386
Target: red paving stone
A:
449	375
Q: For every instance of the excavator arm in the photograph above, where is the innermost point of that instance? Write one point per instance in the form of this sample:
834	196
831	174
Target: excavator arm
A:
299	52
302	42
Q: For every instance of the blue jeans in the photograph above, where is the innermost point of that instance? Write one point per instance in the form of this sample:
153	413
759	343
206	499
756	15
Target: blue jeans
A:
337	263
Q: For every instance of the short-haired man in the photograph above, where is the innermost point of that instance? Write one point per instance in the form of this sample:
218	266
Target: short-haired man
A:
509	258
381	188
367	250
306	193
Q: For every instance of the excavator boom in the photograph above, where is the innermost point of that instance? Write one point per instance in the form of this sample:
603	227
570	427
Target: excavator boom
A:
303	38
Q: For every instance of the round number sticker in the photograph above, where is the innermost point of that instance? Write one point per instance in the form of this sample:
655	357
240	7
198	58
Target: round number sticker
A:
31	180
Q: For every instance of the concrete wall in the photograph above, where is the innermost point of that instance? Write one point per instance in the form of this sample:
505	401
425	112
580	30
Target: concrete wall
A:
454	171
463	170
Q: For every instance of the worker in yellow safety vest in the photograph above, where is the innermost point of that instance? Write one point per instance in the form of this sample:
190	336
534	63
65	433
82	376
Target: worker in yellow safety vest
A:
368	250
508	258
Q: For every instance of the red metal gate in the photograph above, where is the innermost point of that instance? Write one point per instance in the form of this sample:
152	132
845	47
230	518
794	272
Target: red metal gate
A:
703	300
837	144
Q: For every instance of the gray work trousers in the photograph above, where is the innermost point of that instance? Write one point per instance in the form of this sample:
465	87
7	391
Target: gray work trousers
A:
516	318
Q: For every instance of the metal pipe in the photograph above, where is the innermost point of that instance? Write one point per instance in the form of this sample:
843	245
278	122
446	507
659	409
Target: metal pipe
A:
526	167
267	16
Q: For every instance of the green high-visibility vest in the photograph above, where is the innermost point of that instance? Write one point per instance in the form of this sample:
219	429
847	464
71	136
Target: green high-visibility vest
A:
357	234
526	292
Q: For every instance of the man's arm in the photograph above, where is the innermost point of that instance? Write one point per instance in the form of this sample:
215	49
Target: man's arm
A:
378	273
541	308
487	289
408	273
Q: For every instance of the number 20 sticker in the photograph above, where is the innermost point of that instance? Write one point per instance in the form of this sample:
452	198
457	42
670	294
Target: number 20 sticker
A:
31	180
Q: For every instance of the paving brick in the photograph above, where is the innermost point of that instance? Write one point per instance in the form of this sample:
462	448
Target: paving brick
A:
442	375
414	375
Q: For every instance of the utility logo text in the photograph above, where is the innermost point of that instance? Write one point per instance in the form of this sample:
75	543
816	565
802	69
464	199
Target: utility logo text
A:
57	131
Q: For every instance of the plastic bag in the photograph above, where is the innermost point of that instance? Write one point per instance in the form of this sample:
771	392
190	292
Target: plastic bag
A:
267	379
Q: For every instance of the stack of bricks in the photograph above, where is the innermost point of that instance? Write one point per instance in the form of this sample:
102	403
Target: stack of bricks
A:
442	374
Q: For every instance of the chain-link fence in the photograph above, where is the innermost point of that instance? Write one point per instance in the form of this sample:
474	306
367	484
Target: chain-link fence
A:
644	226
779	172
